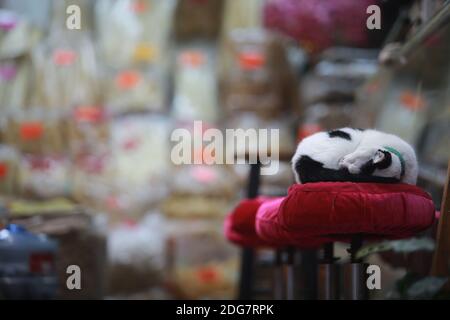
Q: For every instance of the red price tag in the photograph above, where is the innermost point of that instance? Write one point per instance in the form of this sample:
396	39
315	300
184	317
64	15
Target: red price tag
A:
31	130
412	101
251	60
64	57
192	58
207	274
3	169
128	79
88	114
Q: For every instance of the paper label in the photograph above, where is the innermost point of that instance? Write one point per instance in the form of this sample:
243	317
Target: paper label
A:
31	130
144	53
88	114
251	60
207	274
128	79
412	101
3	169
192	58
64	57
139	6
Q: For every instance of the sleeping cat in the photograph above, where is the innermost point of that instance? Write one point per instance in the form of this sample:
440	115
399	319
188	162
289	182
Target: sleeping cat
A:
355	155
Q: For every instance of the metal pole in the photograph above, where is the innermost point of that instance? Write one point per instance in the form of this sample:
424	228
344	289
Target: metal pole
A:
358	275
248	255
331	269
278	276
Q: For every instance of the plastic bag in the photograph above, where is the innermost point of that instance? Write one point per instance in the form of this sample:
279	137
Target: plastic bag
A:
8	170
44	176
15	83
256	76
134	32
66	72
201	264
88	129
200	191
195	96
17	36
37	131
129	90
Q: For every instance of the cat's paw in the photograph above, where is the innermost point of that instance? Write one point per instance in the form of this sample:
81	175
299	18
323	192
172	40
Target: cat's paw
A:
358	161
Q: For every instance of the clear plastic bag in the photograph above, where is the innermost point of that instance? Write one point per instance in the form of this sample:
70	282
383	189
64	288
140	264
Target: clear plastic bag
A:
15	83
129	90
66	72
200	262
200	191
255	74
88	130
134	32
36	131
17	36
195	96
140	162
44	176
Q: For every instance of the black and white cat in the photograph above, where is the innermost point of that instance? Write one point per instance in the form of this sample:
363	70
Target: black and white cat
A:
355	155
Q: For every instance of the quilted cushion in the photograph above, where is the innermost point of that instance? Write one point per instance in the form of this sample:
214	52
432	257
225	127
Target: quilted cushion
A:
333	211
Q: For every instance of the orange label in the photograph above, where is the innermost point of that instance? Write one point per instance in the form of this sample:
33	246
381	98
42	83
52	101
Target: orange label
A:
3	169
251	60
139	6
144	52
412	101
192	58
31	130
128	79
307	130
88	114
64	57
207	274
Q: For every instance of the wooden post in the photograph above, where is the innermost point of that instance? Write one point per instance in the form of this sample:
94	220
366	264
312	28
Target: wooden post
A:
441	258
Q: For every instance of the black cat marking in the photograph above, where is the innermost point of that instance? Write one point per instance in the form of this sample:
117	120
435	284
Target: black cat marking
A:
369	167
310	170
339	134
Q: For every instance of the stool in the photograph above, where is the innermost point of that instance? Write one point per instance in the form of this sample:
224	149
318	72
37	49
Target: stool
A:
325	212
239	228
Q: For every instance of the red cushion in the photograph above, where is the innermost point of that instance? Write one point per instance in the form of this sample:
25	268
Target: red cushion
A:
336	210
240	224
269	229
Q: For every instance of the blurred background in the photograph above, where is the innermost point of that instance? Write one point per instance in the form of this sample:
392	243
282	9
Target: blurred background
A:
86	117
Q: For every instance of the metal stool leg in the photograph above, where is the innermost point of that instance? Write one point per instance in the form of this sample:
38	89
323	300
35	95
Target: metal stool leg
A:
248	254
358	270
278	276
331	271
309	274
290	274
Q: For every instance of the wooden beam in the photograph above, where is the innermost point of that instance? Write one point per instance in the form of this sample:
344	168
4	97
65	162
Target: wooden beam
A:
441	258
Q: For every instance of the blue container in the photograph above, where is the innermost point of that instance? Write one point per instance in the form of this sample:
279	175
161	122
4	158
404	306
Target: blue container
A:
27	264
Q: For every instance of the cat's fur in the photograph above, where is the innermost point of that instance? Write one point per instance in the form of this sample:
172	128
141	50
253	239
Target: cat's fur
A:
356	155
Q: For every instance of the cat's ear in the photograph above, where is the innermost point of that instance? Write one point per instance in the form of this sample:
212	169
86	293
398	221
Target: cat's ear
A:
379	157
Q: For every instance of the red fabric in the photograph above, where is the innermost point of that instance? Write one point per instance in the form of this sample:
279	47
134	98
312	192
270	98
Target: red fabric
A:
333	211
268	228
240	224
